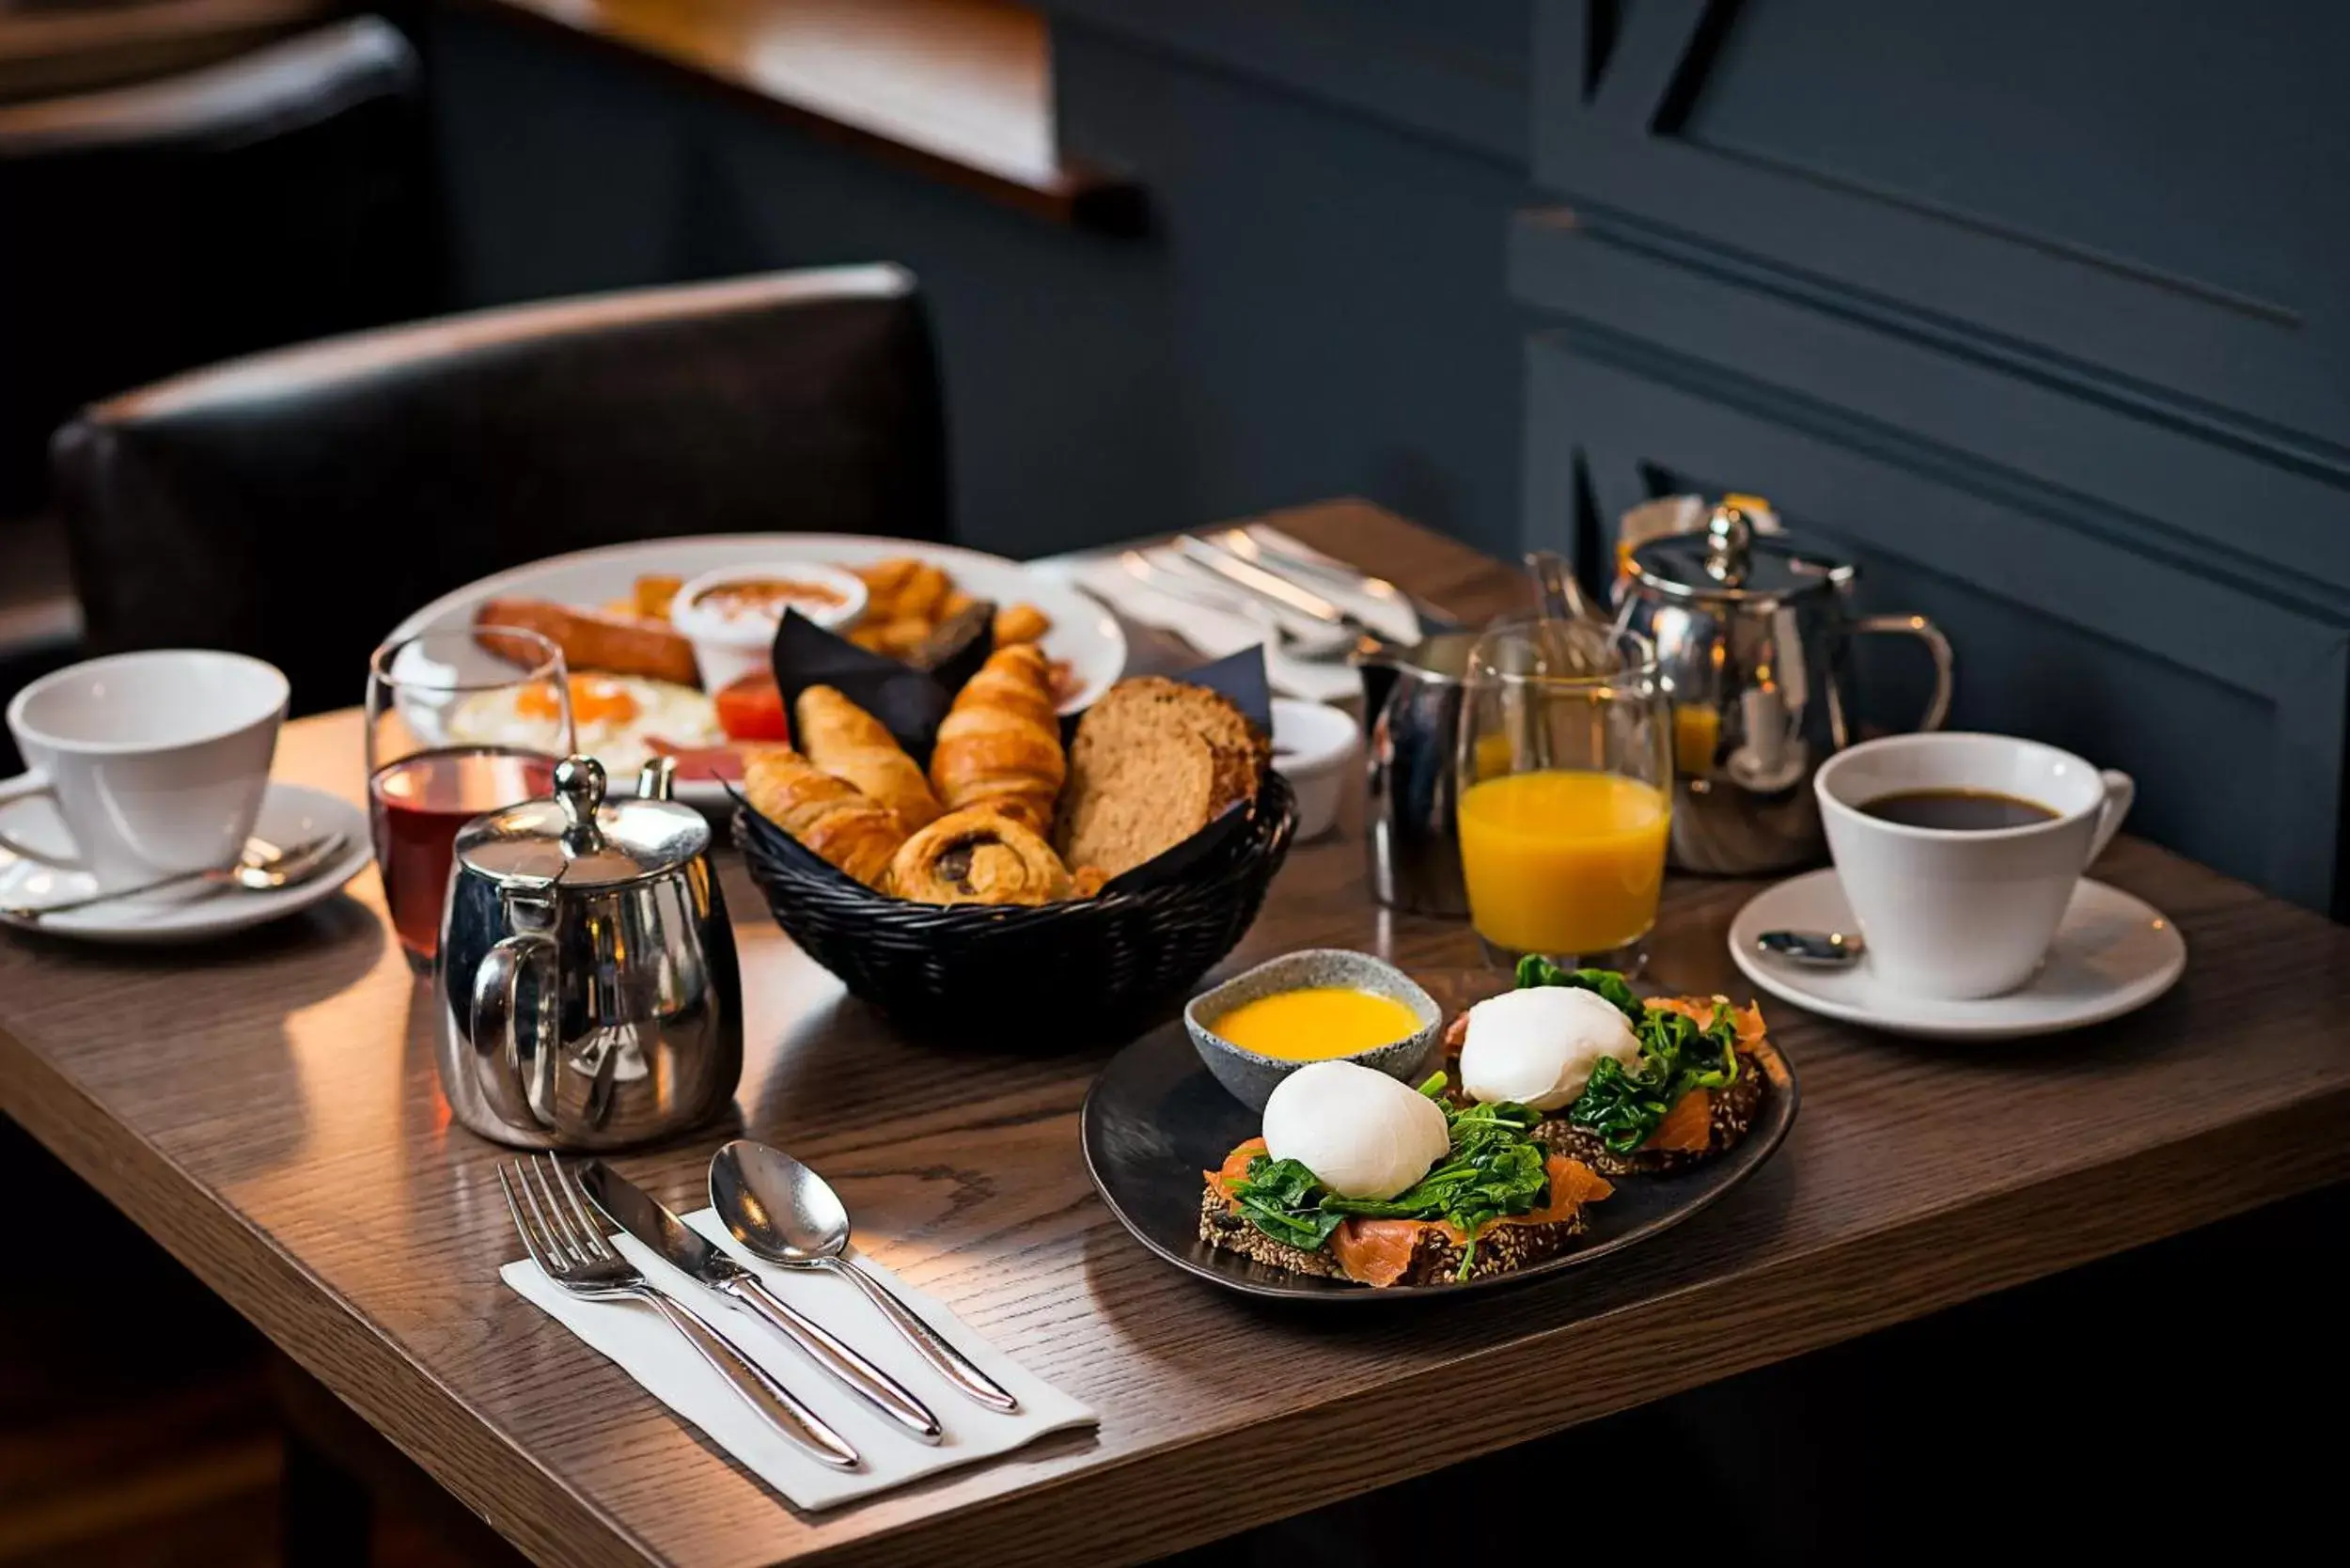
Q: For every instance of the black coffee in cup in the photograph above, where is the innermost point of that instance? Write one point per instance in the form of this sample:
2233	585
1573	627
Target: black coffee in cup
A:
1957	811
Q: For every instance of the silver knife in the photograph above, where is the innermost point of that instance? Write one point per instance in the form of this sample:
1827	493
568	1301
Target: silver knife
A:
1313	563
628	1206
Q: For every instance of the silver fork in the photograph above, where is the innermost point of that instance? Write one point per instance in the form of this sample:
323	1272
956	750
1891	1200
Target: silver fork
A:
570	1248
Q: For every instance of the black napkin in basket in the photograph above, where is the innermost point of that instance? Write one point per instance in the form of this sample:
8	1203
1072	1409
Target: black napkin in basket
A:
909	701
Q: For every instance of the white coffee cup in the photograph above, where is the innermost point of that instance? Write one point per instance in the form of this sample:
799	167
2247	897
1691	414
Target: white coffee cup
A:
1960	912
155	762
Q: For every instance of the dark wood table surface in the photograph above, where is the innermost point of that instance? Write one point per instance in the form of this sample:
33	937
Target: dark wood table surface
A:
267	1109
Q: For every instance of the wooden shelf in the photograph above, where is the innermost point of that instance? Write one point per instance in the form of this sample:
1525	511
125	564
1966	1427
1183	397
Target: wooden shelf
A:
961	89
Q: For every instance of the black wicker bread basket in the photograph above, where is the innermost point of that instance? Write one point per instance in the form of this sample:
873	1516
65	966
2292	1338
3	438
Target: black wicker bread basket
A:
1051	974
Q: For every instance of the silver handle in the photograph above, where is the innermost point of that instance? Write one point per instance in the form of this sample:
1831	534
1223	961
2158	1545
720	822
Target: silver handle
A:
522	1091
760	1391
1937	646
950	1362
885	1392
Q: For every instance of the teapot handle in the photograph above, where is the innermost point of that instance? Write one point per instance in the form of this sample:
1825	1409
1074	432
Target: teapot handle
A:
517	1071
1925	631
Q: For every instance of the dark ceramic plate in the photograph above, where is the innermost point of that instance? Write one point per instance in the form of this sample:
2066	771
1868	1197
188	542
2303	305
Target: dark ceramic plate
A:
1154	1119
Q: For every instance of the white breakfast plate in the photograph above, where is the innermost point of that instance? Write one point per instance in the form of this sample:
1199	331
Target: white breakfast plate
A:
1084	634
2112	954
290	814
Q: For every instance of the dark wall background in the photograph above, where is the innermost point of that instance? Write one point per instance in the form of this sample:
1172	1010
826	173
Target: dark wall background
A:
2039	311
1319	310
2035	310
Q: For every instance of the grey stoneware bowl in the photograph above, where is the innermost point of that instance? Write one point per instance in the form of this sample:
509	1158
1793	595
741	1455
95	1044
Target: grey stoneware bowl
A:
1250	1077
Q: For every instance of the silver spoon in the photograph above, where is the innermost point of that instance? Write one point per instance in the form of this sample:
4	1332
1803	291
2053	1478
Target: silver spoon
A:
262	868
787	1213
1816	949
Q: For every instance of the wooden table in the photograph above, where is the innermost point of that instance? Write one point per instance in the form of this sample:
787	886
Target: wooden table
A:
267	1109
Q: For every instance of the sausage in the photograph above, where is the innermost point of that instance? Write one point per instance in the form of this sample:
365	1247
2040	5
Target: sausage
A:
594	639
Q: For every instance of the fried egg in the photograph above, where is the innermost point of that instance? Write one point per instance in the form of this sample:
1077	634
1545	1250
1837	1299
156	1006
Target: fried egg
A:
615	719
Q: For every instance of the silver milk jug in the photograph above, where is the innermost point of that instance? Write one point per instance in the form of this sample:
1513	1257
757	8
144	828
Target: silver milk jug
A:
588	992
1752	632
1412	703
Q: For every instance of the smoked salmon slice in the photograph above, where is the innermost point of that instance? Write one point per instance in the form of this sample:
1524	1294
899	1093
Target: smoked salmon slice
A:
1234	1168
1377	1252
1746	1020
1688	1127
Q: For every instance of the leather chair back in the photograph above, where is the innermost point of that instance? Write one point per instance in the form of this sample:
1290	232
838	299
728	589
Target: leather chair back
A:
271	199
297	505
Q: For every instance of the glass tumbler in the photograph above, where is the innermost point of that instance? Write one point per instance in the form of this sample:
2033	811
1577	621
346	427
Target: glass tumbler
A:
1565	792
459	724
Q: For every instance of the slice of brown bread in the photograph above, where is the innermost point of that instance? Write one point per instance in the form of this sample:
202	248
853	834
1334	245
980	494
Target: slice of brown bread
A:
1436	1258
1154	760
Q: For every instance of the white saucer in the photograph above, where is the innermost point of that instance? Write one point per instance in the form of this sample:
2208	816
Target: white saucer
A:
2112	955
290	814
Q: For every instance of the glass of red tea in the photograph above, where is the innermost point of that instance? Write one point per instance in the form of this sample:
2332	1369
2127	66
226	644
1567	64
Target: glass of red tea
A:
459	724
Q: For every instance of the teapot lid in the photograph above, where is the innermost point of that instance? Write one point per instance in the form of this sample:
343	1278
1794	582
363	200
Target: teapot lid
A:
1729	560
580	839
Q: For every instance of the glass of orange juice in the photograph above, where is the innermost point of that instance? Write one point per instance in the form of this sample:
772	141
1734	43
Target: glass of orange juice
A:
1565	774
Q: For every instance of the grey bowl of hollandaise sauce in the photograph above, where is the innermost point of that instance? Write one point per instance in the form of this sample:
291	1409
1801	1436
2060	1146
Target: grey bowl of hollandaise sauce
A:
1323	1004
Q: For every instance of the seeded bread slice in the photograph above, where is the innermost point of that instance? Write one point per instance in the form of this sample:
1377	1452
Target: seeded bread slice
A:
1733	1114
1436	1260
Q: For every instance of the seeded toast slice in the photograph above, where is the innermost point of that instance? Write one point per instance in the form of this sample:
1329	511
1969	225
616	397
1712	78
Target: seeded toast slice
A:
1733	1109
1436	1258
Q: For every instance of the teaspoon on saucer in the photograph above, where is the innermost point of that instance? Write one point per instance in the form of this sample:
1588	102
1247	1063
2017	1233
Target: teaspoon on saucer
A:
262	868
1819	950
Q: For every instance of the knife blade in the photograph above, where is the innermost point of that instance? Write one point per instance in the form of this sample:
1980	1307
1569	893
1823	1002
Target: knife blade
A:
636	1211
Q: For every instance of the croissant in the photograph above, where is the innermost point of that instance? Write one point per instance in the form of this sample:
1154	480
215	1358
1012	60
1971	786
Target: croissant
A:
833	818
999	744
1020	623
979	857
851	743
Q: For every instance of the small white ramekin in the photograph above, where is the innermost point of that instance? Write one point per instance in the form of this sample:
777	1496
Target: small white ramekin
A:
729	648
1314	747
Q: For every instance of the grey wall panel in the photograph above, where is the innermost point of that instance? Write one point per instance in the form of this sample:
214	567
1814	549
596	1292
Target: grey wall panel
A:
2228	703
1998	176
2157	484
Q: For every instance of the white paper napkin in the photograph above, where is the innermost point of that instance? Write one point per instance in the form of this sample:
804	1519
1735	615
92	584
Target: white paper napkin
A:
657	1356
1216	633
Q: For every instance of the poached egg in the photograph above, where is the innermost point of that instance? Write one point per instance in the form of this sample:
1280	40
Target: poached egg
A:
1361	1133
1538	1047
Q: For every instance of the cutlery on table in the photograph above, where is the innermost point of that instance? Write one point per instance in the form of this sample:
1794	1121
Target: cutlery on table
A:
261	867
1272	588
1303	560
1318	644
629	1206
1818	950
570	1248
787	1213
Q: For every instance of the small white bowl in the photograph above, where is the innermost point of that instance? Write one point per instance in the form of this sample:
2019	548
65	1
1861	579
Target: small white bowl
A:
731	644
1314	748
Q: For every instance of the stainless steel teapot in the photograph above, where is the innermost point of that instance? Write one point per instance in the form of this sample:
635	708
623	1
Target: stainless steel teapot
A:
588	992
1751	633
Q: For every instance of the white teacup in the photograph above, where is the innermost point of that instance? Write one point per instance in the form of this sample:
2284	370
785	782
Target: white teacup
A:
156	762
1965	913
